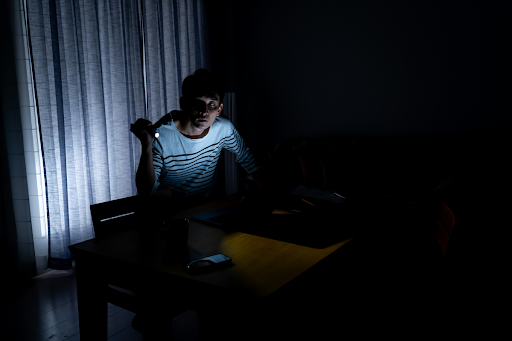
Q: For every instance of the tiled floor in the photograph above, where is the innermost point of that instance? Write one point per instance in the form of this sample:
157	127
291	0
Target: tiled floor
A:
46	309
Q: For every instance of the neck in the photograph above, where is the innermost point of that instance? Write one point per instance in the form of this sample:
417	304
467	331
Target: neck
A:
186	128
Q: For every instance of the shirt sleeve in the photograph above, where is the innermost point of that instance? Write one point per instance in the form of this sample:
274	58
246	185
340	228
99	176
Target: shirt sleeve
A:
235	144
157	163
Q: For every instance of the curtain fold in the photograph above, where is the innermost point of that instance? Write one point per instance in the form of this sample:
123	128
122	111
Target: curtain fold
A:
174	49
90	80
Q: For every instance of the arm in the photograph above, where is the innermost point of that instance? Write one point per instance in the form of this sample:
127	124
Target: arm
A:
245	158
145	177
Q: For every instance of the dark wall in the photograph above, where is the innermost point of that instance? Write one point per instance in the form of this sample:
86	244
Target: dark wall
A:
372	69
362	68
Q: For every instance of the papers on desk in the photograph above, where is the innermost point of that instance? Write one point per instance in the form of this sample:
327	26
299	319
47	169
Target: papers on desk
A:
316	193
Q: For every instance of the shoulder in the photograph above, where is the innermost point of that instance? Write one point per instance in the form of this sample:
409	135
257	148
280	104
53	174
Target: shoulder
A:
223	125
165	130
167	122
223	121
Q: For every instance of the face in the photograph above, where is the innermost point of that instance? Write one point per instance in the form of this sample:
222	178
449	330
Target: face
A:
203	120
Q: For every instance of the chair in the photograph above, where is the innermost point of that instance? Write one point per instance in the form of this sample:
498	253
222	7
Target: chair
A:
112	217
108	218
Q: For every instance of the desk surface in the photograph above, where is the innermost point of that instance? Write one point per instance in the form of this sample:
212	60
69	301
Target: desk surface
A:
262	265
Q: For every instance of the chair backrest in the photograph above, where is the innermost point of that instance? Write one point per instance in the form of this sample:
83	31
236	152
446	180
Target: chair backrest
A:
445	221
116	215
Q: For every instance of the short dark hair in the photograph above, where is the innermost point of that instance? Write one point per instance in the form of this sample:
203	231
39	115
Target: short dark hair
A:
201	83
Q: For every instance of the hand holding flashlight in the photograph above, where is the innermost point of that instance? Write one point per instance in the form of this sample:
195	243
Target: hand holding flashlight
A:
146	131
142	129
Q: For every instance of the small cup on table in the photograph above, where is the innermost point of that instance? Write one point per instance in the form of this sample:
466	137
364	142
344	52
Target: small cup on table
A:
175	234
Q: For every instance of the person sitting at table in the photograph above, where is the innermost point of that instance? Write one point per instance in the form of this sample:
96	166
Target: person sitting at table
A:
180	162
177	162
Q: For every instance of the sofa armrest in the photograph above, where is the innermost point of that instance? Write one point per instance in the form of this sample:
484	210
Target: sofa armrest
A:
445	221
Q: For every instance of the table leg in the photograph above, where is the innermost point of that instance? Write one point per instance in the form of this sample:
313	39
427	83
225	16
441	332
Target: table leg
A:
92	288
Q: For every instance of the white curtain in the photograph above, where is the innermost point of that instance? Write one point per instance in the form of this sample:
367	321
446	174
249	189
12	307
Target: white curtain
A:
98	67
173	49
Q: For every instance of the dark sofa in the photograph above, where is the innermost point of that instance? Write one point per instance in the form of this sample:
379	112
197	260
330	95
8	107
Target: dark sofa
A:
402	197
412	199
394	181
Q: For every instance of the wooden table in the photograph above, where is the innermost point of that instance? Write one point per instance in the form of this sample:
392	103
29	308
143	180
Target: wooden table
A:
263	268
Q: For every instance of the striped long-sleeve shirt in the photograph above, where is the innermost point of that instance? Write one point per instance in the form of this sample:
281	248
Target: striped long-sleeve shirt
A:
186	166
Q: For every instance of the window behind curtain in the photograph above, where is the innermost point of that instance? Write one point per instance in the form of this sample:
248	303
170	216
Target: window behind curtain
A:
98	67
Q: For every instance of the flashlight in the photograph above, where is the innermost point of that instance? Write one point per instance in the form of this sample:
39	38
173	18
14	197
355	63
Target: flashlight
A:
152	129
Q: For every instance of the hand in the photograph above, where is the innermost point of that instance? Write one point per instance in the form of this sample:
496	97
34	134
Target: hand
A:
262	181
139	129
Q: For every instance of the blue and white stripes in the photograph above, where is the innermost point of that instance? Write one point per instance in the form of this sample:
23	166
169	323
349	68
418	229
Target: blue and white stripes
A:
186	166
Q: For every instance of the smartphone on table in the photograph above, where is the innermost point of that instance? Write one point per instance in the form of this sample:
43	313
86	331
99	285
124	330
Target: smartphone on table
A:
210	263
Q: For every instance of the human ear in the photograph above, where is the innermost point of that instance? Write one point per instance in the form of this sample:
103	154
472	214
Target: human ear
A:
221	106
